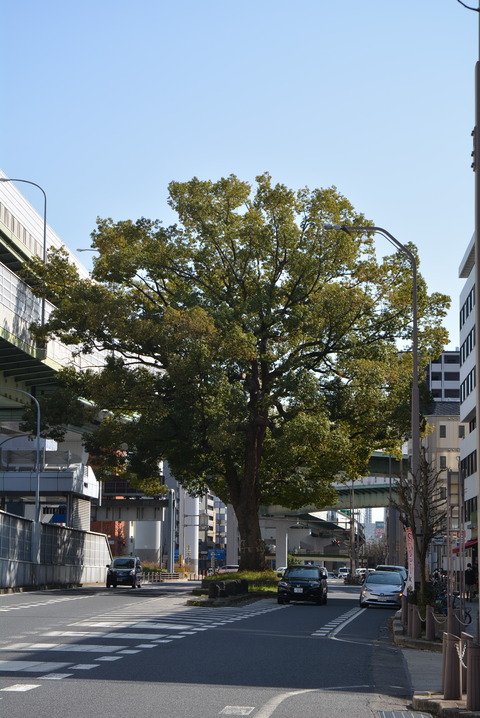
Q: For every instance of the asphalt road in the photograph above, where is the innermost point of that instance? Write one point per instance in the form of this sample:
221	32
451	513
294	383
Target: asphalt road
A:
96	652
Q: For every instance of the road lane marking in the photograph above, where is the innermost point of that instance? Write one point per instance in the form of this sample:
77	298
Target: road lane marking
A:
20	687
74	647
330	629
269	707
356	613
237	710
32	666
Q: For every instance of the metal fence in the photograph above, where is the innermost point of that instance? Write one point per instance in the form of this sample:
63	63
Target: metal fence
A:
67	556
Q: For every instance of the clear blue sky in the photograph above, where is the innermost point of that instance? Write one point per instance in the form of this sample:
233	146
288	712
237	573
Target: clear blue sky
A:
104	102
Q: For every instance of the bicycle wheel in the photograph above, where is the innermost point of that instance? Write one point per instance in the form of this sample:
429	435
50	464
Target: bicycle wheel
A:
467	618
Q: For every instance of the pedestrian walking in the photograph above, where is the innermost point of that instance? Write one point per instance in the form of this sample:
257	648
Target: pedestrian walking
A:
470	582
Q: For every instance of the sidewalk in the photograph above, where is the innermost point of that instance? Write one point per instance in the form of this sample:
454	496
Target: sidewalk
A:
424	662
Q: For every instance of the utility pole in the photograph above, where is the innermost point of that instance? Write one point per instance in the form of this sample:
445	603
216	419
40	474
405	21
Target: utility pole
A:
476	169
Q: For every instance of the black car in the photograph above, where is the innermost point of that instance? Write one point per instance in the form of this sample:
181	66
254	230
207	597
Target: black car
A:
303	583
125	571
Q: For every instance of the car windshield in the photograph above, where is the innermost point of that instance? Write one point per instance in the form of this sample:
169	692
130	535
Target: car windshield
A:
124	563
302	572
392	578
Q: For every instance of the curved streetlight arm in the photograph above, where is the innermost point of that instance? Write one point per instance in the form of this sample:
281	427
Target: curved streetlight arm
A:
378	230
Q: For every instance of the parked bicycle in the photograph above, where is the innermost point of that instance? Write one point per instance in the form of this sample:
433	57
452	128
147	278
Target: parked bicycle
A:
441	606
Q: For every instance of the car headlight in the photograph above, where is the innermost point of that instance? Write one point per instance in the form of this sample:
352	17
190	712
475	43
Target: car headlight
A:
315	584
282	584
132	573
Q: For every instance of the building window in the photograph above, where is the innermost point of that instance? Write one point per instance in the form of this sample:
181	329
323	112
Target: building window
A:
452	376
442	429
452	393
461	431
468	465
470	508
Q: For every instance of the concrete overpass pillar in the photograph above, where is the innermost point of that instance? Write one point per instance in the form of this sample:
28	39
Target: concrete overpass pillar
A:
148	539
281	543
232	536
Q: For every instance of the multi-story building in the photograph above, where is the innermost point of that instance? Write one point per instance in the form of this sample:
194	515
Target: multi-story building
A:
443	377
468	415
27	372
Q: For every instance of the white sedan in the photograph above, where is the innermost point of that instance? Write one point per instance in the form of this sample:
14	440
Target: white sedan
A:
228	569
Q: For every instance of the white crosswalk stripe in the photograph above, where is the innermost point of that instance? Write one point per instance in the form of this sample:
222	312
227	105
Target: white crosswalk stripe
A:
148	623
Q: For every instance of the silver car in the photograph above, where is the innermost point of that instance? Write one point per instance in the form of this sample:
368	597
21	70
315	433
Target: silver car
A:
382	588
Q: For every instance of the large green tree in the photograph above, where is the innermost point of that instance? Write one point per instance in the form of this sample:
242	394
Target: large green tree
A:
252	349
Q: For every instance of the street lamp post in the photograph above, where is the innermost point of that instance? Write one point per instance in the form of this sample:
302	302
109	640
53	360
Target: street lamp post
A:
415	395
44	256
37	461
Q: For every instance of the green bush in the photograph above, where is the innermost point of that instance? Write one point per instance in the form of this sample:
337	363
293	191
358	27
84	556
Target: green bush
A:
152	568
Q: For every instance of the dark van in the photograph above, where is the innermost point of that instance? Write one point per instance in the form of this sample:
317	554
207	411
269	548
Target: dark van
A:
125	571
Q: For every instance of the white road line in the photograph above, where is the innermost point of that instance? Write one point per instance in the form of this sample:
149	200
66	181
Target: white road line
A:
267	710
32	666
357	613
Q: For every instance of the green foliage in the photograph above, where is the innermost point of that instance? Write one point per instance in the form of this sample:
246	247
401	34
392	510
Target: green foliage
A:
254	351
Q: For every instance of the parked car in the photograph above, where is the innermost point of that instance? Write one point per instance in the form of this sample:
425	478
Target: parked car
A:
342	572
125	571
303	583
382	588
390	567
230	568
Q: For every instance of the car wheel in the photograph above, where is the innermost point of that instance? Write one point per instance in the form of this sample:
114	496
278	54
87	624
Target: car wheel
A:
108	584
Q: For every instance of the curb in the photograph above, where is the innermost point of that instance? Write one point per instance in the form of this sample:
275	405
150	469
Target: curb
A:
429	702
421	644
435	704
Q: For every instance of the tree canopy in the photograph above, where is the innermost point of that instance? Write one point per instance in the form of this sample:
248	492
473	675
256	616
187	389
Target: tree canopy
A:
252	349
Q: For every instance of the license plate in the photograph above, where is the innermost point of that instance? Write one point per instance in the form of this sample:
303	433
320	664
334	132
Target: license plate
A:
298	590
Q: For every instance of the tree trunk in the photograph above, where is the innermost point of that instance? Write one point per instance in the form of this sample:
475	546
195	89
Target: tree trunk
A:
245	496
252	548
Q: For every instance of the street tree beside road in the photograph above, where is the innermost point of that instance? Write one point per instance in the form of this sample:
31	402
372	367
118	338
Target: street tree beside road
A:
254	351
422	503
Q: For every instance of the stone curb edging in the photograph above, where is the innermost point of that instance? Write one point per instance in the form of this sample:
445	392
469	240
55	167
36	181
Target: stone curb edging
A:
435	704
429	702
400	639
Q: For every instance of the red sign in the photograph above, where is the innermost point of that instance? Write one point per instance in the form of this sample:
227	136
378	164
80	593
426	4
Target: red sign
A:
411	559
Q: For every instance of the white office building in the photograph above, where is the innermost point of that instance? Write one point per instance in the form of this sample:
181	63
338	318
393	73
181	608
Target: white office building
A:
468	451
